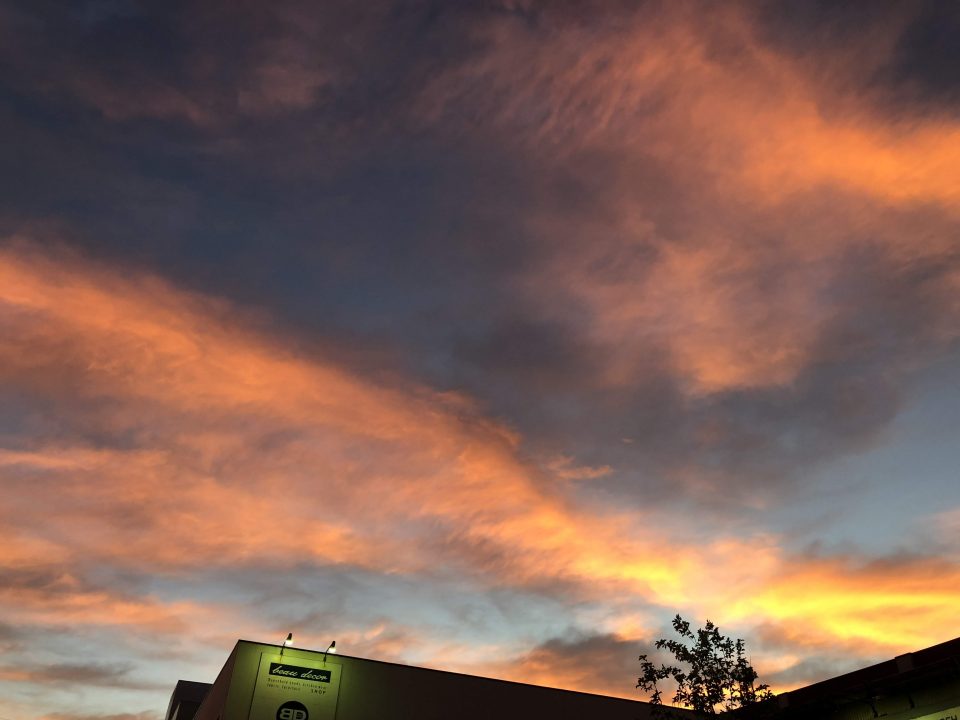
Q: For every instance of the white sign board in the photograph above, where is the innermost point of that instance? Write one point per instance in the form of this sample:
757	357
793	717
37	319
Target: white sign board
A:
295	689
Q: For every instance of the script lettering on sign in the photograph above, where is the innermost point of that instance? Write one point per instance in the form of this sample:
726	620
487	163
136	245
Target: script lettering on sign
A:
301	673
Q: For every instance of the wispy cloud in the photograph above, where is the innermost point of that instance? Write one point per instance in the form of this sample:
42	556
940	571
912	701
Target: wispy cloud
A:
214	428
522	315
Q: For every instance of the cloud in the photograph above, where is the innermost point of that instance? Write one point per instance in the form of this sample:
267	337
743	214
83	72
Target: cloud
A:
116	675
538	275
210	428
601	664
145	715
731	270
257	454
728	238
811	670
715	157
214	68
34	594
888	604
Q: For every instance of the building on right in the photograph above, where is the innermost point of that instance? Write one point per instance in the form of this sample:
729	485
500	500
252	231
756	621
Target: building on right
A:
922	685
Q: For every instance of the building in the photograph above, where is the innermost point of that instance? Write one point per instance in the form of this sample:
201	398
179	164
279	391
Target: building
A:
922	685
270	682
186	699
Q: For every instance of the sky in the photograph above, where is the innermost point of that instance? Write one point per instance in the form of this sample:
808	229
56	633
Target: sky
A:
483	335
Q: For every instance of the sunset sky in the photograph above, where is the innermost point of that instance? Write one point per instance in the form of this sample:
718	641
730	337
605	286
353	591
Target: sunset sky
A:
484	335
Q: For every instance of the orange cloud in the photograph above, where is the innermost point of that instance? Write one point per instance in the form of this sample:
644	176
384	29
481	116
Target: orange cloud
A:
178	434
206	400
62	599
894	606
737	291
229	448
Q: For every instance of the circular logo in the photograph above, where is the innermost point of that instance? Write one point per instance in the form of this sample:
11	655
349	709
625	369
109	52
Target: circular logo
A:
292	710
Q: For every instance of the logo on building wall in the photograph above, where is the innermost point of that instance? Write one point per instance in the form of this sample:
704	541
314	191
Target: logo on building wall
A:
292	710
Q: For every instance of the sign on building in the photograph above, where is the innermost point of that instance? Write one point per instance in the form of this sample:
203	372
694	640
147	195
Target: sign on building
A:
295	689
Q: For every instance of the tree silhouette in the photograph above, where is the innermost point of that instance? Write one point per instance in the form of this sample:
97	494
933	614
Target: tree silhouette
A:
711	670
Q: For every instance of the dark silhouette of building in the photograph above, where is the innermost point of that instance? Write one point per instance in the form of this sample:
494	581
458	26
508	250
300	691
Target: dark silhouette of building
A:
186	699
922	685
271	682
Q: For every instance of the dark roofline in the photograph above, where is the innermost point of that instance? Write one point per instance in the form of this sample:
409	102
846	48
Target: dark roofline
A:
897	675
450	672
189	691
901	668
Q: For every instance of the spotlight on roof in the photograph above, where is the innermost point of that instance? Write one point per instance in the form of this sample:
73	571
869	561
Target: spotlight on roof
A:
332	648
286	643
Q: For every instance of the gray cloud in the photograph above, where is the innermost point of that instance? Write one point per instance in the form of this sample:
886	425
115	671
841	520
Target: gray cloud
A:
116	675
469	320
145	715
572	213
587	662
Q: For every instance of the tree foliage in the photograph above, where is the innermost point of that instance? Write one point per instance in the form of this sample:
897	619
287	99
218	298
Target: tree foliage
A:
711	671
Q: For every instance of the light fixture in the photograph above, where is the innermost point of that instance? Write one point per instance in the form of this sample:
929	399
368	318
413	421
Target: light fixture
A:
332	648
286	643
